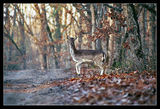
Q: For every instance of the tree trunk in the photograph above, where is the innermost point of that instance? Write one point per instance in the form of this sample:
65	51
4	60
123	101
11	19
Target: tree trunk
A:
43	38
98	18
153	31
145	48
111	45
80	35
118	43
138	51
23	45
7	23
93	23
58	37
153	28
12	35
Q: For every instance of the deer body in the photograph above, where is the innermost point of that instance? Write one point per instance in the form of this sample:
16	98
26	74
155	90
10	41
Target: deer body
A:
96	57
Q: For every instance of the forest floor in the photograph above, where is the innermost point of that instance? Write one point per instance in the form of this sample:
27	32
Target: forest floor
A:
63	87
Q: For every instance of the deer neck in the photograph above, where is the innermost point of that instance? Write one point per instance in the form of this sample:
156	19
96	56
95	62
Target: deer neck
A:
72	46
72	51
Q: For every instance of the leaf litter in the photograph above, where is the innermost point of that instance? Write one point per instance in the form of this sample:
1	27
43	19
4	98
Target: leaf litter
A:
109	89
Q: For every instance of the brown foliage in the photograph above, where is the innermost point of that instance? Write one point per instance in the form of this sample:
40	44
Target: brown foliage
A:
114	89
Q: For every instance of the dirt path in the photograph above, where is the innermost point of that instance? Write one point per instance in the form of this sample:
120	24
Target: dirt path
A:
34	87
59	87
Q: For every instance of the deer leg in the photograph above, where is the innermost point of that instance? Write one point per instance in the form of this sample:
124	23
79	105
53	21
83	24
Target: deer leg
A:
78	67
102	70
100	66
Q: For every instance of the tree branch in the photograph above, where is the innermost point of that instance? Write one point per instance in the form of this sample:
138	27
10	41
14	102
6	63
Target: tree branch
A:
30	32
140	52
80	11
77	23
117	9
148	8
7	35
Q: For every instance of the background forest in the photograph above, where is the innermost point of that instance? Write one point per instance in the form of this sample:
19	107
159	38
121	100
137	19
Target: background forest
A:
35	35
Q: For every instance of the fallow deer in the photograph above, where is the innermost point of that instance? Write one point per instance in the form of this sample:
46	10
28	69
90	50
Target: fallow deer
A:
97	57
